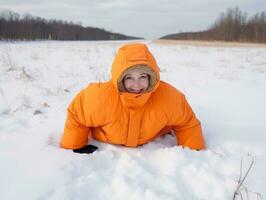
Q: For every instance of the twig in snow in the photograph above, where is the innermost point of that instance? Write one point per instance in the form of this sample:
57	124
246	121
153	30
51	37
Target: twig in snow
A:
240	185
7	60
25	74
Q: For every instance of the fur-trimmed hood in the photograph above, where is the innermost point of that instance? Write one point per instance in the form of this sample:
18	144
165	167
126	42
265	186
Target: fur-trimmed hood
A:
128	56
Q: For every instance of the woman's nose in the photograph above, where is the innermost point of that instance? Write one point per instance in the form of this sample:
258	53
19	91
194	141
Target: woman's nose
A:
136	84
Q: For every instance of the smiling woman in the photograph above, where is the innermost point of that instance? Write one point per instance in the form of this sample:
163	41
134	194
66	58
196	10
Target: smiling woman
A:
131	109
137	79
136	82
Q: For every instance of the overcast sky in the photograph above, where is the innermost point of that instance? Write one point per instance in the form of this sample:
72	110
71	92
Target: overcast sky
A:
144	18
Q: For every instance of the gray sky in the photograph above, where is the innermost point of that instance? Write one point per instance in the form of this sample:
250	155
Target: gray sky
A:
143	18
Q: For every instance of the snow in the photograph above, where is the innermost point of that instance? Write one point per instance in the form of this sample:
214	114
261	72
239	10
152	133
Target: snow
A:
224	85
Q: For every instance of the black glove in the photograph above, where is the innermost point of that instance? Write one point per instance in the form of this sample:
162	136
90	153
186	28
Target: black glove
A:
87	149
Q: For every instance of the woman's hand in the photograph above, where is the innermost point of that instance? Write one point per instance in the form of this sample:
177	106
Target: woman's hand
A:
87	149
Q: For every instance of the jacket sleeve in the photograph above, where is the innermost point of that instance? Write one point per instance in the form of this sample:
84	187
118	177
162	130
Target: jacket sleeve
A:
188	129
76	132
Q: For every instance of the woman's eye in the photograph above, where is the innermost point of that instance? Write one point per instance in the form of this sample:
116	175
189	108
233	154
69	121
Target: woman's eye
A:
128	78
143	77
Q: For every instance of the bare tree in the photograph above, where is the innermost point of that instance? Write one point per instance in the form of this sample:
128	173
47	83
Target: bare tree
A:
232	25
28	27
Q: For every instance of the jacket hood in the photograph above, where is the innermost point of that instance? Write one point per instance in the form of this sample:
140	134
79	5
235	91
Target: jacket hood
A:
126	57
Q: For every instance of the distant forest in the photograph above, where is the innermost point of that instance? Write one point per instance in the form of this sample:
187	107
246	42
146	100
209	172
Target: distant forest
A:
27	27
233	25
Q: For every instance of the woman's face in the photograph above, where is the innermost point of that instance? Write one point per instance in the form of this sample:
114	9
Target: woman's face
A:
136	82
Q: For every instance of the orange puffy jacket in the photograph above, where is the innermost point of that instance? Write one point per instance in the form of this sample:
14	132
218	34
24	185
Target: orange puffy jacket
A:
103	112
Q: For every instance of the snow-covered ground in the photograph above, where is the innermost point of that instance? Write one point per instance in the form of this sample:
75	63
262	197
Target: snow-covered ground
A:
224	85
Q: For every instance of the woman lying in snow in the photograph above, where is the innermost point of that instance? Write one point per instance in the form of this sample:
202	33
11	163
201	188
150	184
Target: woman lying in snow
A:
131	109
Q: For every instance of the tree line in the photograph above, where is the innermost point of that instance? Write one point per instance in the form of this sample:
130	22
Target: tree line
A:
233	25
27	27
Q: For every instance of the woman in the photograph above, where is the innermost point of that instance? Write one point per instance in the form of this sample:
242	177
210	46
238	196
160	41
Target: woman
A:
131	109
